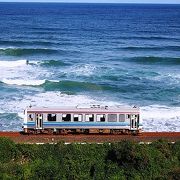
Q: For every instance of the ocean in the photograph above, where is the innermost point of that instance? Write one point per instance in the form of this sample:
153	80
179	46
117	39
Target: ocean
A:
108	54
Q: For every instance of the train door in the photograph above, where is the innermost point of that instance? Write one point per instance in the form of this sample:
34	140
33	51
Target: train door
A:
134	121
39	121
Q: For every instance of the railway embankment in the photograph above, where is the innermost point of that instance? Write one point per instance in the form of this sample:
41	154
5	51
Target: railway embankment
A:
146	137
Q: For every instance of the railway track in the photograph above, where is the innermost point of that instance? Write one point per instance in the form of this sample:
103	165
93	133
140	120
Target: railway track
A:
18	137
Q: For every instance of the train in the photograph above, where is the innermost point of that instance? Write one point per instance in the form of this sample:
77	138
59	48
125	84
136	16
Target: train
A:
81	119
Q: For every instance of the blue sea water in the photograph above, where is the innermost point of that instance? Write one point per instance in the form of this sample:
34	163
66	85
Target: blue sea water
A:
127	54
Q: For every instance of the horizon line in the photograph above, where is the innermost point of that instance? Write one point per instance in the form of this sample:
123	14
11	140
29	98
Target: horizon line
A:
53	2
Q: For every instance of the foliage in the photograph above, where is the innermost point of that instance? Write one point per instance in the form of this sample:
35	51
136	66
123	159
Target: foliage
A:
123	160
8	150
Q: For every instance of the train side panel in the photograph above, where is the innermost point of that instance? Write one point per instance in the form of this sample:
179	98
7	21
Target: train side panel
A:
44	121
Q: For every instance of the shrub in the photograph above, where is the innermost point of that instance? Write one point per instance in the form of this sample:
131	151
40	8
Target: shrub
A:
123	160
8	150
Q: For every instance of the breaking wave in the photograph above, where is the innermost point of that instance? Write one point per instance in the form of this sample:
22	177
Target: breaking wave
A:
20	82
26	51
161	118
52	63
46	63
10	64
52	85
22	42
71	86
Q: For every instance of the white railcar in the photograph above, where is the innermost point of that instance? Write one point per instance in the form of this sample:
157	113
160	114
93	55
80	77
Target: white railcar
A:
93	119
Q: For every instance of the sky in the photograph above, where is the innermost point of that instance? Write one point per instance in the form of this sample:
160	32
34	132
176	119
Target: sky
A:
101	1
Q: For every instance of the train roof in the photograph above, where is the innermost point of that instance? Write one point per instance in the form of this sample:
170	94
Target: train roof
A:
81	109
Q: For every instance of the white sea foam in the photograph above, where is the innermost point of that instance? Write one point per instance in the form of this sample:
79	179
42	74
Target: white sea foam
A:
19	73
171	78
81	70
12	64
49	99
154	117
161	118
21	115
24	82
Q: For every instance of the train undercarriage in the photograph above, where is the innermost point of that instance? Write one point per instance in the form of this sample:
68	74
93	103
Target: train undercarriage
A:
82	131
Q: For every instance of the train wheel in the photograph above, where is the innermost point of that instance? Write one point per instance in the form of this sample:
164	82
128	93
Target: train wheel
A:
86	131
115	131
101	131
112	131
36	132
30	131
134	133
125	132
57	132
63	131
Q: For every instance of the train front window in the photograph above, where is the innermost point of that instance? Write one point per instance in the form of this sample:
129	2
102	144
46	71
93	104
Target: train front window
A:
30	117
112	117
51	117
101	117
128	116
138	120
66	117
89	117
77	117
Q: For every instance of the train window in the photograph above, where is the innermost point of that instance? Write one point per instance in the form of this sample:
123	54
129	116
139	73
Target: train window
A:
101	117
51	117
89	117
30	117
77	117
122	118
112	117
66	117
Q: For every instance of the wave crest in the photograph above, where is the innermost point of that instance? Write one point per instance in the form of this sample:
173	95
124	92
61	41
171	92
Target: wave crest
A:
52	85
21	82
71	86
153	48
155	60
26	51
52	63
9	64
